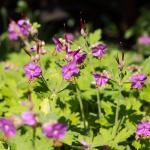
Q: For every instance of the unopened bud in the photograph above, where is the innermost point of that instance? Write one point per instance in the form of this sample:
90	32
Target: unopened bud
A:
43	43
43	51
57	143
37	57
17	121
83	28
32	58
83	33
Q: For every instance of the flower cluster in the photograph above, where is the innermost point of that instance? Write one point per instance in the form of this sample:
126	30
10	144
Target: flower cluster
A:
143	130
59	43
24	26
9	66
63	44
74	58
135	68
72	63
51	130
13	31
38	47
19	29
37	50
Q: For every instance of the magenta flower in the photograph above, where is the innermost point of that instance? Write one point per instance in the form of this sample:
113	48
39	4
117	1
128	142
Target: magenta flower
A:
76	56
69	37
54	130
7	127
33	48
101	79
24	26
19	29
138	80
29	118
70	70
13	31
144	40
58	44
99	50
143	129
32	70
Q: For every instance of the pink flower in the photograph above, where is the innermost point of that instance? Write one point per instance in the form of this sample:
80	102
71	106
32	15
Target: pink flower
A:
29	118
143	129
101	79
76	56
54	130
13	31
138	81
70	70
144	40
24	26
69	37
59	45
32	70
7	127
99	50
19	29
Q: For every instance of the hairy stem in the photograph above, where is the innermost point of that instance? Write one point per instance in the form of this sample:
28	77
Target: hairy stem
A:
98	103
81	105
117	111
33	138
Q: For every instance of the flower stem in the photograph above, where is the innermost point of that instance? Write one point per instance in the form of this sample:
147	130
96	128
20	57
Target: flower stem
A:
117	112
81	105
87	46
98	103
33	138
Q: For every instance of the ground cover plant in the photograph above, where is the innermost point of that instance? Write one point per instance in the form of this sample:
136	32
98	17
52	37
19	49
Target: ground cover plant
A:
78	93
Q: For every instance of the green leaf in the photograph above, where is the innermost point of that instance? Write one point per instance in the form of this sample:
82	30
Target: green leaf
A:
104	138
95	36
144	94
124	134
137	144
68	139
128	33
146	66
36	25
1	146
